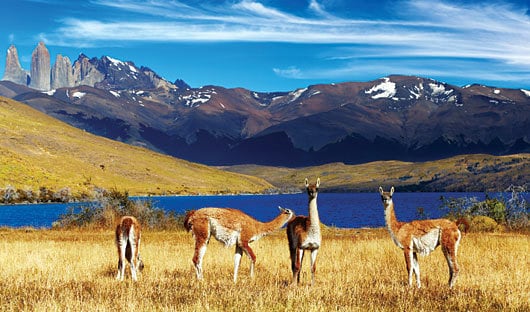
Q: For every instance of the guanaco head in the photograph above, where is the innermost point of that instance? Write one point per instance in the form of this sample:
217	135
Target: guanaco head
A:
312	189
288	212
386	197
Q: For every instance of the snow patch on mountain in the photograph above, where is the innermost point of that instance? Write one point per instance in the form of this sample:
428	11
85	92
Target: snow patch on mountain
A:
114	61
201	101
128	68
314	92
526	92
296	94
116	94
438	89
78	94
198	97
415	93
133	69
50	93
386	89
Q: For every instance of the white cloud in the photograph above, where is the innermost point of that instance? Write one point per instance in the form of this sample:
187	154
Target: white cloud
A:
492	31
438	21
290	72
258	9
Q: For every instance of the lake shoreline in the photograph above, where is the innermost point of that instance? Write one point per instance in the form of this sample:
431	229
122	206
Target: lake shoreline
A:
341	210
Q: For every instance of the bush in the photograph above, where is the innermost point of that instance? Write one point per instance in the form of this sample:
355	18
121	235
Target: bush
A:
484	224
509	209
517	208
456	208
493	208
111	206
9	195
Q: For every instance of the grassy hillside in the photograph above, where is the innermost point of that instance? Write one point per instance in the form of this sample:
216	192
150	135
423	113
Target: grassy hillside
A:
460	173
39	151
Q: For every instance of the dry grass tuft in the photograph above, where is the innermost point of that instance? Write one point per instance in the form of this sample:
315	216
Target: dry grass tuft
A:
358	270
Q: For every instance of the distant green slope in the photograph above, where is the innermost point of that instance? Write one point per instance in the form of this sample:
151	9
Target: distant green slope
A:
39	151
462	173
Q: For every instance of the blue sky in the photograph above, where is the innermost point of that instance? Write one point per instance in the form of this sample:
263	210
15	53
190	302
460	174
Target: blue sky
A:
273	45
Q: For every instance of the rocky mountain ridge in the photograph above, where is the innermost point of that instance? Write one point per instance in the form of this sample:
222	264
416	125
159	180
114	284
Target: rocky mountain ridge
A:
396	117
105	72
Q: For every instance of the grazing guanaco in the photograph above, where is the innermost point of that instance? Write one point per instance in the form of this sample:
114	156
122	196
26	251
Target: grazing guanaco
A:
128	233
303	233
231	227
422	236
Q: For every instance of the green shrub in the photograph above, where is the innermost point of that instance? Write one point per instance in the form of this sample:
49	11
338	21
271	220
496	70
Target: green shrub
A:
491	207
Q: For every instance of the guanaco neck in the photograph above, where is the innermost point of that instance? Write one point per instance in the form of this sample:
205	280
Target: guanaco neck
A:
392	224
314	219
276	223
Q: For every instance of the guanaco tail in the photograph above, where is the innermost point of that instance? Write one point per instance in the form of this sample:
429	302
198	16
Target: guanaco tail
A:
128	233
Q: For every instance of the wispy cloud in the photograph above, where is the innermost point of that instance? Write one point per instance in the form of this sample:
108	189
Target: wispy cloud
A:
425	29
290	72
420	23
244	20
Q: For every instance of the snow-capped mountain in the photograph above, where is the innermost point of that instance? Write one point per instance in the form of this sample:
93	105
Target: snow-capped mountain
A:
395	117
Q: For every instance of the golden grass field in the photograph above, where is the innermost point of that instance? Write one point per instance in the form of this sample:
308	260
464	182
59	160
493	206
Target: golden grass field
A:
358	270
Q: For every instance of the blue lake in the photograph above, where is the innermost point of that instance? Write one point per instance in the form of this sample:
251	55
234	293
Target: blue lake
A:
347	210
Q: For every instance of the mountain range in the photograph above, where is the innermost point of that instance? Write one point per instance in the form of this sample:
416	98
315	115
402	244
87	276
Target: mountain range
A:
397	117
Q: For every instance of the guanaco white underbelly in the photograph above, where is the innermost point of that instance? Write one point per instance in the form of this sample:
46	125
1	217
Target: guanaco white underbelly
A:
224	235
312	241
426	243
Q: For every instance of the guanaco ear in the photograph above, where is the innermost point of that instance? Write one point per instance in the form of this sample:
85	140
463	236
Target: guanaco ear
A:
306	182
391	191
318	182
381	190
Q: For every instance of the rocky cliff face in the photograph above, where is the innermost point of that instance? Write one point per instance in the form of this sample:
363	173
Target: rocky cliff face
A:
40	68
44	77
86	72
62	73
13	70
105	73
158	81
